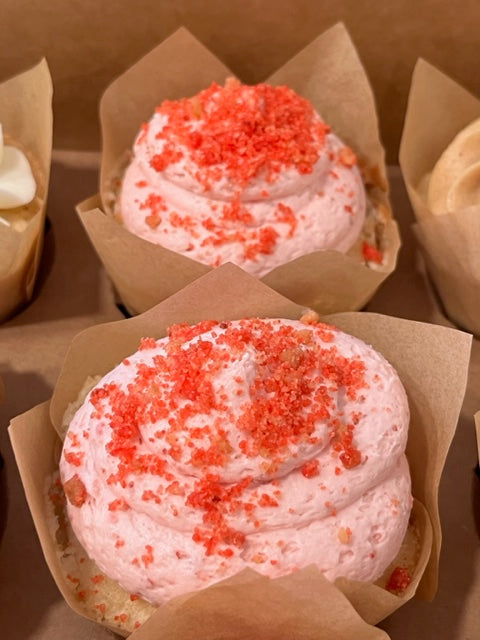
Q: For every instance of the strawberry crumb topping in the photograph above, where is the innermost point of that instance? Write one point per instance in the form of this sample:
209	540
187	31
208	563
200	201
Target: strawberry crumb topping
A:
206	161
75	491
310	469
371	253
399	580
297	374
246	130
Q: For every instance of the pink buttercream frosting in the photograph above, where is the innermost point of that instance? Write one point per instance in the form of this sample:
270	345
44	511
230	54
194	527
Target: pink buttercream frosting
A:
247	174
270	444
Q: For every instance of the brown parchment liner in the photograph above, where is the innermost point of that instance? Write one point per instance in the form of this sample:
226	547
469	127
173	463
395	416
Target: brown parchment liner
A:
432	362
438	109
27	120
329	73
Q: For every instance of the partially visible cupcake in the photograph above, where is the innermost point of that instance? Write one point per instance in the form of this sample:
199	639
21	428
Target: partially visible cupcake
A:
454	183
440	162
18	186
246	174
25	156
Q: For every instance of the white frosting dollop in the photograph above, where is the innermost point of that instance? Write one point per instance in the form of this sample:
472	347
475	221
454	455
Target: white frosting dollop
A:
268	444
17	184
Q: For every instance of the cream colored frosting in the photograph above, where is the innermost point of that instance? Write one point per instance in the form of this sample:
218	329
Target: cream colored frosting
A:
455	180
276	219
170	428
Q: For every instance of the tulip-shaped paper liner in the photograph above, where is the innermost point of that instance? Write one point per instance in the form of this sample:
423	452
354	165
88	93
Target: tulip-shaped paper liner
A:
438	109
329	73
27	121
432	362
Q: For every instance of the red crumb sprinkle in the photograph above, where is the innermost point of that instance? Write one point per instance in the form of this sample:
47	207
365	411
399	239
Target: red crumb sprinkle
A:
134	597
216	500
264	242
287	215
147	343
119	543
347	157
350	458
75	491
245	130
82	595
267	501
102	607
310	469
119	504
399	580
137	625
74	458
235	211
147	558
371	253
121	617
97	579
184	332
73	578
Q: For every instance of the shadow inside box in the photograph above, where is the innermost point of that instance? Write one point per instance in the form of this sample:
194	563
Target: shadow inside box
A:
26	587
71	280
3	497
476	498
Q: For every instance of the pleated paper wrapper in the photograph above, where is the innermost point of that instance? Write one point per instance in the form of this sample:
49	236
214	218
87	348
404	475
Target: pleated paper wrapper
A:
27	121
432	362
329	73
438	109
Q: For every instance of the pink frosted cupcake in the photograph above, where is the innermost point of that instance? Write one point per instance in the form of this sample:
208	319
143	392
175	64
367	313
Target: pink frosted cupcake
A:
270	444
247	174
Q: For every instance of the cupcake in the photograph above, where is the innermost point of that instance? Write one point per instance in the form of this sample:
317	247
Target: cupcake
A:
246	174
264	443
25	154
439	156
286	178
232	514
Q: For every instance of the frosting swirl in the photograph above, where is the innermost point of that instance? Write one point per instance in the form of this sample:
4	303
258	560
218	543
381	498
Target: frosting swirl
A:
247	174
264	443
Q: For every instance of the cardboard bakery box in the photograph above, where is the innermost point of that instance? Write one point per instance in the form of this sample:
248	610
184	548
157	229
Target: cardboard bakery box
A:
87	46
